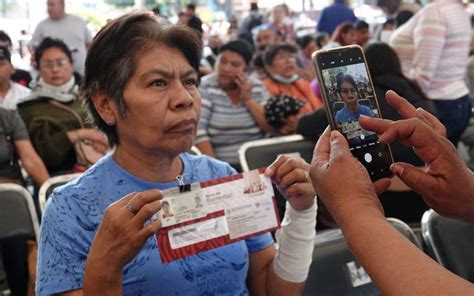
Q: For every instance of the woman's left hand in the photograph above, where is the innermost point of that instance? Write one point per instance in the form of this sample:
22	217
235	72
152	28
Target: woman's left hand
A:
291	176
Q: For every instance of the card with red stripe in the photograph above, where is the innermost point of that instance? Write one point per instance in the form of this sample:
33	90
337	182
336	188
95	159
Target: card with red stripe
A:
215	213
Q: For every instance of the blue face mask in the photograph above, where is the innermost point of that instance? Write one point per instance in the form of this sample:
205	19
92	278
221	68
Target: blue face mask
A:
282	79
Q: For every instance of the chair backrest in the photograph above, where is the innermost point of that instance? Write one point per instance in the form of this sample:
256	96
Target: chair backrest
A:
18	217
406	230
450	242
48	187
260	153
335	270
407	206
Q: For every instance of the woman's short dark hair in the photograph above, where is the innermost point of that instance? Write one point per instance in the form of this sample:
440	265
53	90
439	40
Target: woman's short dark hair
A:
48	43
240	47
113	56
274	49
345	78
320	36
382	59
4	37
306	40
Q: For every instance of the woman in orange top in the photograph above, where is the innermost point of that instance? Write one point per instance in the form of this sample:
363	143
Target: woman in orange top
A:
280	64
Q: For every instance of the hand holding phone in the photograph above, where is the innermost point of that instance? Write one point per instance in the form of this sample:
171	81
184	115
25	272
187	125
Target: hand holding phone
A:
348	93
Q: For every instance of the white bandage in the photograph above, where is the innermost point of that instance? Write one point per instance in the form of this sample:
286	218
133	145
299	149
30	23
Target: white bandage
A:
295	244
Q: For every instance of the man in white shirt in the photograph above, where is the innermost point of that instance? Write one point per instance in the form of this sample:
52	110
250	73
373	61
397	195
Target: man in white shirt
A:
69	28
10	92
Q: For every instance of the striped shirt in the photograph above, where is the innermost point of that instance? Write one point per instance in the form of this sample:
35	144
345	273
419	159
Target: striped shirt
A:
225	125
433	47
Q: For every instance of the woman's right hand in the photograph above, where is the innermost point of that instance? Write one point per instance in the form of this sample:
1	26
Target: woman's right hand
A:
446	183
123	232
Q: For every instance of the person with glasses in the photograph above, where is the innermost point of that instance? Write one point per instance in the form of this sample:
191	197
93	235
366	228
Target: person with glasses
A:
54	114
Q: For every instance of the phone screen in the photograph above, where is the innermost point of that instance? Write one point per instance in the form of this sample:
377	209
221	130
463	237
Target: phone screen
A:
348	93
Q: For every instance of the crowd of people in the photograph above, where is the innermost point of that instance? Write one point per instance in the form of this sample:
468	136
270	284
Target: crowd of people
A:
125	106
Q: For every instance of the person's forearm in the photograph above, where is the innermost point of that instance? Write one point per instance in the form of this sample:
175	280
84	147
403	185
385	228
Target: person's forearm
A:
278	286
257	112
36	169
291	263
406	270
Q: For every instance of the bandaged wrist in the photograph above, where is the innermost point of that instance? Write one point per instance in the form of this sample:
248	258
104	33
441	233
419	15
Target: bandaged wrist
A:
295	243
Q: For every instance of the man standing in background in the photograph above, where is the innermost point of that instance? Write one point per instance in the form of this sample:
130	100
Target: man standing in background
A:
334	15
69	28
193	20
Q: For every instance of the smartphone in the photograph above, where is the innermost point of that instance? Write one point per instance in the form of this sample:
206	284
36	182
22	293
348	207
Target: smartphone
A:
347	91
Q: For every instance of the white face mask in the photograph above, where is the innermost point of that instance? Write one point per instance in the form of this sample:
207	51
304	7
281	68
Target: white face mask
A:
282	79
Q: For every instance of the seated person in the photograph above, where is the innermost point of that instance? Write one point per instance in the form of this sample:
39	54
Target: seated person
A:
15	146
10	92
54	114
232	105
386	73
280	64
19	76
97	237
343	35
307	45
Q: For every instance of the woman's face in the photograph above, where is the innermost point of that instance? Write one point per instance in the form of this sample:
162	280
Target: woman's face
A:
229	64
278	14
348	38
283	64
55	67
163	104
349	94
310	48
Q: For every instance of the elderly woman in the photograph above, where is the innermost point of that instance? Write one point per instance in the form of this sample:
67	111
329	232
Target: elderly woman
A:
53	113
97	237
280	64
232	110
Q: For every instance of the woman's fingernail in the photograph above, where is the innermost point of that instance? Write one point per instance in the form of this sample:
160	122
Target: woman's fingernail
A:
397	169
268	171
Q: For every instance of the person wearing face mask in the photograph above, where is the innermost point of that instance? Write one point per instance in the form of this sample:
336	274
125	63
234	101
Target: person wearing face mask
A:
54	114
282	78
232	111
